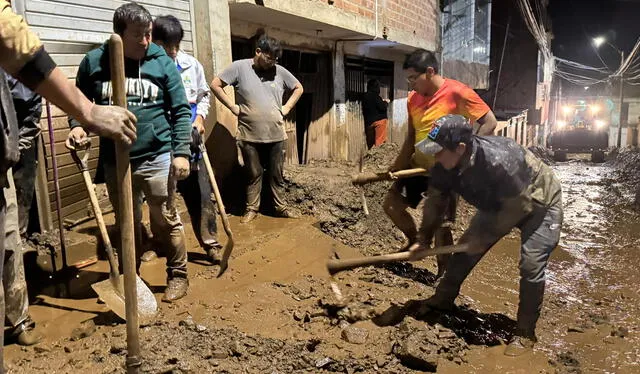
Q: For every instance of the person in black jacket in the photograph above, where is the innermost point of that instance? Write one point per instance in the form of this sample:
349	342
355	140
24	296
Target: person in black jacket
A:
374	110
510	188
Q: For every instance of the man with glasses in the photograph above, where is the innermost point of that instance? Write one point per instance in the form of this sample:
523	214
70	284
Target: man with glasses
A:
432	97
259	86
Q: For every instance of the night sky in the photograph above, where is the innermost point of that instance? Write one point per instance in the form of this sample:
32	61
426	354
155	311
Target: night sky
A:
576	22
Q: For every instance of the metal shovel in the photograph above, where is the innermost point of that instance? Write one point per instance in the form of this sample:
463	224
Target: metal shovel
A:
228	248
111	291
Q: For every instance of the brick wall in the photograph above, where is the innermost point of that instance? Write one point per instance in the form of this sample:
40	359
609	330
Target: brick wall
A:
416	17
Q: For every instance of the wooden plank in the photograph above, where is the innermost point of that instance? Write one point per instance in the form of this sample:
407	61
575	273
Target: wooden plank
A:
91	37
67	59
70	199
74	23
66	181
66	159
67	170
155	7
69	210
61	48
84	10
76	189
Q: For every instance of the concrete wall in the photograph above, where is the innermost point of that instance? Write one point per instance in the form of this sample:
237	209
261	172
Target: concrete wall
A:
403	21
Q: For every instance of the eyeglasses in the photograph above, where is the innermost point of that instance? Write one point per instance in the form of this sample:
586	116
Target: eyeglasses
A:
413	78
269	58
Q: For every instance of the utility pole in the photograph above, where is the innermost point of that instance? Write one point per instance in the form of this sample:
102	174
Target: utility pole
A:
621	102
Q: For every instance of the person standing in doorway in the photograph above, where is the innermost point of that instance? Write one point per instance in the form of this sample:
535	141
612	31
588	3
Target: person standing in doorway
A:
374	111
260	84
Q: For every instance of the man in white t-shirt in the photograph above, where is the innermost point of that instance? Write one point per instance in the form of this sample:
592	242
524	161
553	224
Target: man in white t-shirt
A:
196	189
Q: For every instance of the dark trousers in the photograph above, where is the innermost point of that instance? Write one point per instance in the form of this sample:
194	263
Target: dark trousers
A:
198	195
261	158
24	176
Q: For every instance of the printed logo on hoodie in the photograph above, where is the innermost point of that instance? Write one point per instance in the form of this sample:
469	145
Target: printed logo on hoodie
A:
144	89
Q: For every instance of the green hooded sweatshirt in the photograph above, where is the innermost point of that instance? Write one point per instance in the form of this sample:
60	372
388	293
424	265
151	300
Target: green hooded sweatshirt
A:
155	95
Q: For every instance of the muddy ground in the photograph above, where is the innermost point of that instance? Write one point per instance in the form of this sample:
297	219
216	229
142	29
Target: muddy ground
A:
274	311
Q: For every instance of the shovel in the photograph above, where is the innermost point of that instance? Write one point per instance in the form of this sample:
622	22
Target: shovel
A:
371	177
336	266
111	291
228	248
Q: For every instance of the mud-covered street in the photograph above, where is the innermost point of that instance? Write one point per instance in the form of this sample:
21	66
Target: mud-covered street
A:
274	310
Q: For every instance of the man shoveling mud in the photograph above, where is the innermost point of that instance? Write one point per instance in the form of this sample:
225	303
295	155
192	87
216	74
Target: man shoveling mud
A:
433	96
511	188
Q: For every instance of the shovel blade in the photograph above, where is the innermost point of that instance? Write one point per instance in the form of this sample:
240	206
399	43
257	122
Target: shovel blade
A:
226	253
110	292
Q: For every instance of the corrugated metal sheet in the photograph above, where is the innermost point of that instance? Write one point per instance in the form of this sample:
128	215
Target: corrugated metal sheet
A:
69	29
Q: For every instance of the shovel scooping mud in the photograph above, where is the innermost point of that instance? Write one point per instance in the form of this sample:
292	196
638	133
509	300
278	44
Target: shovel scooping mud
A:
111	291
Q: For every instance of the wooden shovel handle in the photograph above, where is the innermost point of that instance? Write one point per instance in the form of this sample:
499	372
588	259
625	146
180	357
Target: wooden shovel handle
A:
125	213
336	266
370	177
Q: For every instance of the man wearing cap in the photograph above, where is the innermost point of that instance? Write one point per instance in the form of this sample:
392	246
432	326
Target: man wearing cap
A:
511	188
433	96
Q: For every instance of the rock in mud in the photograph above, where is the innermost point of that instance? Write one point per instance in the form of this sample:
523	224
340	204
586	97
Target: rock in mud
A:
200	328
188	323
118	347
219	354
620	332
301	316
413	354
355	335
575	329
323	362
566	363
86	329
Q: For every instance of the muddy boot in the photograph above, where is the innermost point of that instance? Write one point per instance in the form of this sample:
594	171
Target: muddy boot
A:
519	345
435	304
149	256
287	213
249	216
176	289
25	333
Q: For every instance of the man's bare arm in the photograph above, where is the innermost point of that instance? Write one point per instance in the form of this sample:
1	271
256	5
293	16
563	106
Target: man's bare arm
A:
488	124
295	96
217	86
403	160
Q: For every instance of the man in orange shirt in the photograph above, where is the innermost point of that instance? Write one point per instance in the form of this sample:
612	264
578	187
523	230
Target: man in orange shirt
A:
432	97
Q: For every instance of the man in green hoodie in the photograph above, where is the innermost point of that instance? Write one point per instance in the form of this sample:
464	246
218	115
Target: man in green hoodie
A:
156	96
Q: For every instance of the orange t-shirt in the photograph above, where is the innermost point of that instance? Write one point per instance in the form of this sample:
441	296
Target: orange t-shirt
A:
452	97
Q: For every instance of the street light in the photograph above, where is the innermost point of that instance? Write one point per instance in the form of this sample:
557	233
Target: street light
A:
597	42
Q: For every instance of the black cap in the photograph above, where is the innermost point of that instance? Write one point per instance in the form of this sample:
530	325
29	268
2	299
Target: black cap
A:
447	132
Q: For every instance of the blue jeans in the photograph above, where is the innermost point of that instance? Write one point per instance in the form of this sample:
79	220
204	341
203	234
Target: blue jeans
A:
150	178
540	234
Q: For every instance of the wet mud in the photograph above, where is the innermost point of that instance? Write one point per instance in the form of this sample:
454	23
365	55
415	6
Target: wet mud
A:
274	310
